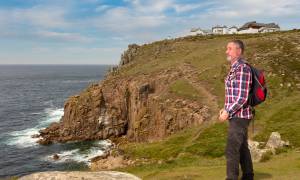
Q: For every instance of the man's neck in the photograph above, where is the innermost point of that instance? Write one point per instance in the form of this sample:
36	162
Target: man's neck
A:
235	60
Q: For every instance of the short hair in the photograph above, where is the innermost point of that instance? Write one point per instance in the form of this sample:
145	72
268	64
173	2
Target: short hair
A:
240	44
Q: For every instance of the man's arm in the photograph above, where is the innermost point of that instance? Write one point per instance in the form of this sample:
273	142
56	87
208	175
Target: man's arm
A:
243	81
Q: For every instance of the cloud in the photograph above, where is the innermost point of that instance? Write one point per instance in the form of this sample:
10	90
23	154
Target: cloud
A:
184	8
87	50
41	16
61	36
23	22
118	23
153	6
102	8
121	19
254	9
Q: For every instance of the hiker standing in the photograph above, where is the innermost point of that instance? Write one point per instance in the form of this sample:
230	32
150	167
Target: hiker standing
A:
238	112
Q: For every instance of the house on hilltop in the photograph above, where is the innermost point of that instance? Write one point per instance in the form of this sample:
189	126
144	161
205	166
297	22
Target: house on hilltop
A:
249	27
198	31
232	30
219	29
254	27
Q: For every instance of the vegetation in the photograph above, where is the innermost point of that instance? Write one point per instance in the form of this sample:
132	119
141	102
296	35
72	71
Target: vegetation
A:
198	153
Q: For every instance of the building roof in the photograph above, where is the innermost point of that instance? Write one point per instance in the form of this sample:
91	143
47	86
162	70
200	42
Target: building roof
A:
195	29
272	25
207	31
218	26
254	24
233	27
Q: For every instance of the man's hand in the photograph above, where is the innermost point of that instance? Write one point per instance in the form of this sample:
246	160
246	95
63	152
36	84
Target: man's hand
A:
223	115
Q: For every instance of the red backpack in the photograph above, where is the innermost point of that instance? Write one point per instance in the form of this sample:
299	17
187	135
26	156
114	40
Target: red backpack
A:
258	91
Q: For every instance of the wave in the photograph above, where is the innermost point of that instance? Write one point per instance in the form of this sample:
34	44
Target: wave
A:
78	155
53	115
23	138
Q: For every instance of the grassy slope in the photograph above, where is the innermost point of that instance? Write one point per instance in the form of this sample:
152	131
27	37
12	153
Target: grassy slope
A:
284	166
198	153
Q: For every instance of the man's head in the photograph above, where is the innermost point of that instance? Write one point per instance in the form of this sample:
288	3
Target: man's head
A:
235	49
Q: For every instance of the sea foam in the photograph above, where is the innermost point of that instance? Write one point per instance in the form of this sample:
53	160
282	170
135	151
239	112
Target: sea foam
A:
76	155
23	138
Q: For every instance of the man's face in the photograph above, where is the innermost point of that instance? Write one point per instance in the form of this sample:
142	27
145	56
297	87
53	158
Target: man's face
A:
233	51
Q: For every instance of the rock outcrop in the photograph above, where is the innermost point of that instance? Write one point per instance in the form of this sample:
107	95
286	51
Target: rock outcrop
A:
274	143
126	105
129	54
74	175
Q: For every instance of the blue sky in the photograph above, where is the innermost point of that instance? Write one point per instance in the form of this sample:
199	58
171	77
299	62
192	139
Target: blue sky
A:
98	31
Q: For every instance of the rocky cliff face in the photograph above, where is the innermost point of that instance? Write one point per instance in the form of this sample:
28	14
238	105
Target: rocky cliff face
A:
129	54
138	106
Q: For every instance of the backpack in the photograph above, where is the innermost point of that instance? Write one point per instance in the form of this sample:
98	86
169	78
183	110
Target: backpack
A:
258	91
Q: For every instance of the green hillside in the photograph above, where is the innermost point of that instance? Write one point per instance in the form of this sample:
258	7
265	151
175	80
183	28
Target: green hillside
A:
198	153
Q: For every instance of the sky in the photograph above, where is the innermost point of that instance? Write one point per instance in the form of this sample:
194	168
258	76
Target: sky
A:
99	31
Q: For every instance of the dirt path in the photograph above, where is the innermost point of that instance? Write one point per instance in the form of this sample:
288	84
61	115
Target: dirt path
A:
191	74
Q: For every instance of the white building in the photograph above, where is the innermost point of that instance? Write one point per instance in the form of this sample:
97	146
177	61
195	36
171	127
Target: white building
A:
196	31
232	30
254	27
269	28
219	29
249	27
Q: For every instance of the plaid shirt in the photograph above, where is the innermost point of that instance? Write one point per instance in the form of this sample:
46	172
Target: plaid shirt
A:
237	87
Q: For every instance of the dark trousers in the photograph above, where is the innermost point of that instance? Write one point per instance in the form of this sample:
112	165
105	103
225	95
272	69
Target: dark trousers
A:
237	151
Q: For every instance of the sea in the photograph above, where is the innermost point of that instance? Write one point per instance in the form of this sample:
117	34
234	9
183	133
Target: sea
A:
32	97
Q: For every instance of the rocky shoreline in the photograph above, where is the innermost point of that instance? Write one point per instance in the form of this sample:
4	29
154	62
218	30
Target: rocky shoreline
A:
129	108
127	105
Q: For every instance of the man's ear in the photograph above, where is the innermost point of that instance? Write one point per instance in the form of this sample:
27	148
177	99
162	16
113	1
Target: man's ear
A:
240	51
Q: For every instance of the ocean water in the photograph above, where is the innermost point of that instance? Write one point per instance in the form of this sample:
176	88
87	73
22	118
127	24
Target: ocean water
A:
31	97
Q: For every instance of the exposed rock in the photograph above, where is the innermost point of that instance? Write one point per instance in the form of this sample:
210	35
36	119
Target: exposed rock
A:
55	157
75	175
110	162
125	106
273	143
35	136
44	141
97	158
256	153
129	54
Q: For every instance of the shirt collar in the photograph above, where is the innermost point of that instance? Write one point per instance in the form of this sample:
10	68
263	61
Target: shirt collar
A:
236	63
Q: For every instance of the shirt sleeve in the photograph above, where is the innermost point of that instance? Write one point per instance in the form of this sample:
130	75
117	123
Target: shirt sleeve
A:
242	83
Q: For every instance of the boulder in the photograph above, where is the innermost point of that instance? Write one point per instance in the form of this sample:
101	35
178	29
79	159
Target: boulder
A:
273	143
257	154
75	175
55	157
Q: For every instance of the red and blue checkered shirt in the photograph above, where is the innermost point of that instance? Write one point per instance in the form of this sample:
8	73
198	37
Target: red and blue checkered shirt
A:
237	87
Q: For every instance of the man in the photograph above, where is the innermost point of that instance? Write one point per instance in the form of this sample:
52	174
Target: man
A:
238	113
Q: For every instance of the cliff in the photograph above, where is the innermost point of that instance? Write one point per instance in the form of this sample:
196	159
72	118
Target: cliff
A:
141	107
161	88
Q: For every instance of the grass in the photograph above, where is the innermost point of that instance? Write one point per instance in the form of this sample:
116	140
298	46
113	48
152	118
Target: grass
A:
184	89
285	166
198	153
210	142
283	116
161	150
